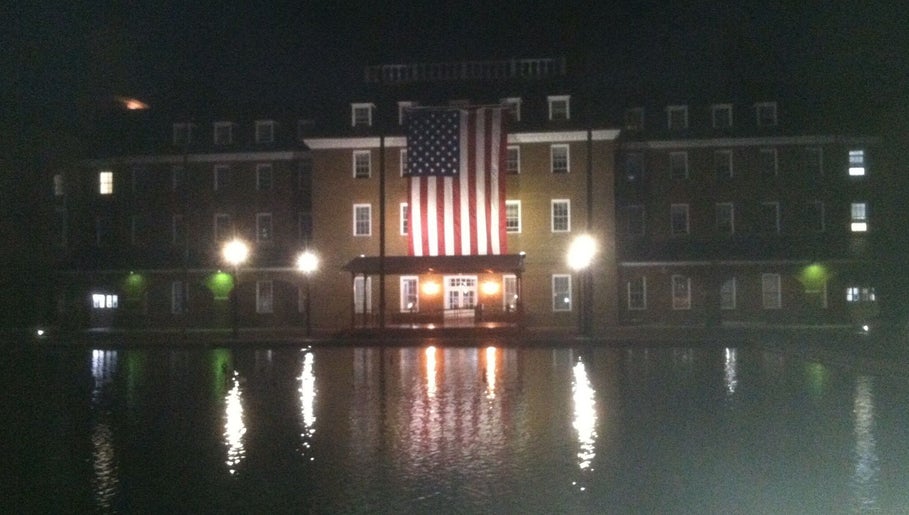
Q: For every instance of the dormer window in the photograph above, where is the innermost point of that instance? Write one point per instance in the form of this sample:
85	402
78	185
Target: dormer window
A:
677	117
403	107
512	107
361	114
765	113
721	115
265	131
634	119
182	134
559	107
224	133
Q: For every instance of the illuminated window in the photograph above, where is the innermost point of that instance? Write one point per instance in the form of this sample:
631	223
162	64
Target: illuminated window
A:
510	292
512	107
104	301
634	119
721	115
678	219
362	219
860	294
513	216
361	164
770	291
513	160
223	133
561	215
677	117
405	218
561	292
722	164
263	227
678	165
637	294
106	182
859	217
681	292
263	176
765	114
558	155
725	217
361	114
264	297
559	107
410	299
856	163
58	185
265	131
727	294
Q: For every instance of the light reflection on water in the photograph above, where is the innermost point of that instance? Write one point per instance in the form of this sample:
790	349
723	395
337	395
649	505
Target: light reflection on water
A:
308	403
585	416
865	479
106	478
234	425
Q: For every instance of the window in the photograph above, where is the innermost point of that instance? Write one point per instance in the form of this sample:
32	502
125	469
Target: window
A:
512	216
765	112
510	292
405	218
559	107
769	218
104	301
513	160
513	108
264	297
768	162
722	164
222	177
634	220
106	182
362	219
263	227
182	134
678	165
362	294
559	158
263	176
177	177
637	294
561	292
178	231
813	161
361	114
770	289
403	161
634	119
222	229
681	292
721	115
103	230
178	296
404	107
678	219
816	216
856	163
265	131
727	294
224	133
860	294
725	218
677	117
634	167
410	301
561	215
58	185
859	217
361	164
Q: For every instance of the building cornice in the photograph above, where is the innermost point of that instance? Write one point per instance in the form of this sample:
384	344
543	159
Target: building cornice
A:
223	157
513	139
747	142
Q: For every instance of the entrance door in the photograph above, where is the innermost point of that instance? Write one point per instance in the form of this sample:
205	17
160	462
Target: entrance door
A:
460	298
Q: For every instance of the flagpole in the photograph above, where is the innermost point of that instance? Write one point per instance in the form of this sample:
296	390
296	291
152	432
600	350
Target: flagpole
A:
382	232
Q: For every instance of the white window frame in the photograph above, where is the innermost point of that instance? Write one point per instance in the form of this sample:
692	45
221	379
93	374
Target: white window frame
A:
263	168
216	133
510	292
858	217
552	214
680	208
771	291
631	293
564	292
265	131
403	107
513	156
265	297
515	204
721	112
410	289
513	106
769	153
404	220
676	158
857	162
723	157
731	211
106	182
729	295
860	294
105	300
359	291
681	292
357	157
368	211
553	150
676	109
556	104
264	223
759	109
216	232
402	158
358	108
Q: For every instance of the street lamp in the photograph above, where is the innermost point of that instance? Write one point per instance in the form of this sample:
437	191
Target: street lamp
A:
235	253
307	263
580	256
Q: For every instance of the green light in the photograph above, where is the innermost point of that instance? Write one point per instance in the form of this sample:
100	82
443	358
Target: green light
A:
221	367
814	276
134	285
220	284
818	377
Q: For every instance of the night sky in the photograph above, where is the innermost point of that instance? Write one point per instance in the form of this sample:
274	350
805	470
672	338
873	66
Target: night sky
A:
60	57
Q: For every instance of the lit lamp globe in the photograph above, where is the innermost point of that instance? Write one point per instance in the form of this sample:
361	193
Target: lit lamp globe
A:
307	262
581	252
235	252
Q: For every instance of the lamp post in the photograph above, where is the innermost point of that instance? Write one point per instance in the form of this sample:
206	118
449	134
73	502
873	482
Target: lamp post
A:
307	263
580	256
235	253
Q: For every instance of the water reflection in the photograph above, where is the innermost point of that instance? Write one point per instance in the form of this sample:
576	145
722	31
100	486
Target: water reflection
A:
106	479
431	371
730	367
490	373
234	426
585	415
307	402
865	476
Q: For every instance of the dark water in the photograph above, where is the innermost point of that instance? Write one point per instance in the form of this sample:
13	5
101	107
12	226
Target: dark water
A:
450	429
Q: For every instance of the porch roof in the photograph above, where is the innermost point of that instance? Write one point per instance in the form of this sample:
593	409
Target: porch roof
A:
406	265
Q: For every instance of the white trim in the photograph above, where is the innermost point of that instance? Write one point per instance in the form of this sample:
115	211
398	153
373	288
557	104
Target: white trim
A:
641	264
552	204
552	156
745	142
513	203
569	293
200	158
562	136
351	143
368	206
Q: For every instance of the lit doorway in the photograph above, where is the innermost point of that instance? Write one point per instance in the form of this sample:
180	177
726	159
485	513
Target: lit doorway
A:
460	299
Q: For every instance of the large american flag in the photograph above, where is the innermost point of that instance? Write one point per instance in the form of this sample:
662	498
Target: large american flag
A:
456	165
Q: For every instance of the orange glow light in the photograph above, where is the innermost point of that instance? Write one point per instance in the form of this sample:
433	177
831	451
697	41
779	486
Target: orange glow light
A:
132	104
490	288
430	288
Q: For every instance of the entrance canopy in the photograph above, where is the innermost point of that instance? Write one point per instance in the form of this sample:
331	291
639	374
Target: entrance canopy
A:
407	265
